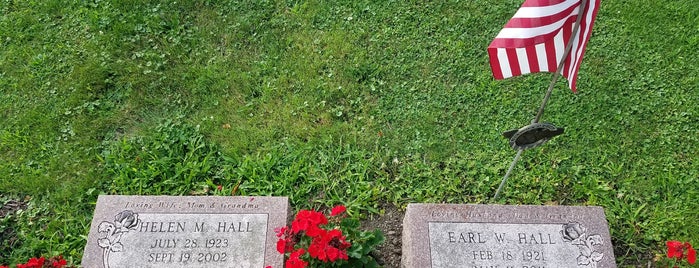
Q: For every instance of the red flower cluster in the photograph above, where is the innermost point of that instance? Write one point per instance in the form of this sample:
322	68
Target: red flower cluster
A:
308	221
295	260
55	262
676	250
329	246
325	245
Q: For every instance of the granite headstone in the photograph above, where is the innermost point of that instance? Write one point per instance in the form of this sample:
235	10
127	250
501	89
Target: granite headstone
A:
185	231
501	236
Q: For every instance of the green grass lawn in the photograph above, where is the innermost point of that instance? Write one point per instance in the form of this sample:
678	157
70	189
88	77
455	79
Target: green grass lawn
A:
362	103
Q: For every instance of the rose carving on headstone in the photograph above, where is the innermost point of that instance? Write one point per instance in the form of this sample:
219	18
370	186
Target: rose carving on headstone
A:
112	231
572	232
576	234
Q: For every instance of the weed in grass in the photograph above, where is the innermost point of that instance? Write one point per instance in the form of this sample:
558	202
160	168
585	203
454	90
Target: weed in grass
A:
176	160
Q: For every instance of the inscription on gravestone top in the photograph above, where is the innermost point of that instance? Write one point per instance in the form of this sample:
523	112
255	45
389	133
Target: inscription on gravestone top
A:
498	236
185	231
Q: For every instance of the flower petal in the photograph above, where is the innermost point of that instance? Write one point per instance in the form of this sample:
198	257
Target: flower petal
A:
117	247
594	240
338	210
596	256
674	249
103	243
583	260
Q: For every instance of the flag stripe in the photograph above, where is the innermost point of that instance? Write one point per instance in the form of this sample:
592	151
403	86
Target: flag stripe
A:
567	32
552	61
494	64
518	42
538	3
504	63
559	46
542	57
514	63
544	10
523	60
531	22
574	51
533	59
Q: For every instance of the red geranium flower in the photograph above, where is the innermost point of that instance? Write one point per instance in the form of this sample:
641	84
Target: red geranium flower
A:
58	262
280	231
33	263
308	221
295	260
281	246
674	249
37	262
285	243
337	210
329	247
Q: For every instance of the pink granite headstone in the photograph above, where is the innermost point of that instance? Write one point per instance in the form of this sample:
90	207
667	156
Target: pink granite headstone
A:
500	236
185	231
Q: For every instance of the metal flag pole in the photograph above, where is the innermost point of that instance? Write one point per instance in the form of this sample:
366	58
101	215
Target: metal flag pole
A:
554	79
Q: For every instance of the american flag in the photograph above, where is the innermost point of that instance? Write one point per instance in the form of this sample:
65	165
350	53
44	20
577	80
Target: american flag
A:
534	40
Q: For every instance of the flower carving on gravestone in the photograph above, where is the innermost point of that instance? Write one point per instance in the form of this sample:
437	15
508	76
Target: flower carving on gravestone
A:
124	222
576	234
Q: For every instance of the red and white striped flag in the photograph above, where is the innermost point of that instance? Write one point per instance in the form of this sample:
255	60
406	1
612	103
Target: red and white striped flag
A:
534	40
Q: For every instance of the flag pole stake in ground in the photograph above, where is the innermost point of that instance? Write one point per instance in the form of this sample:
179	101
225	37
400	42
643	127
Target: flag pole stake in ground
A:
505	62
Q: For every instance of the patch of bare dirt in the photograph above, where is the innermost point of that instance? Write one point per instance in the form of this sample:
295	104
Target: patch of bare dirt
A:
11	206
8	236
391	224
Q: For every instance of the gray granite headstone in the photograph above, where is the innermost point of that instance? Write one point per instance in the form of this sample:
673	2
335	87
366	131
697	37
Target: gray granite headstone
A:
185	231
500	236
